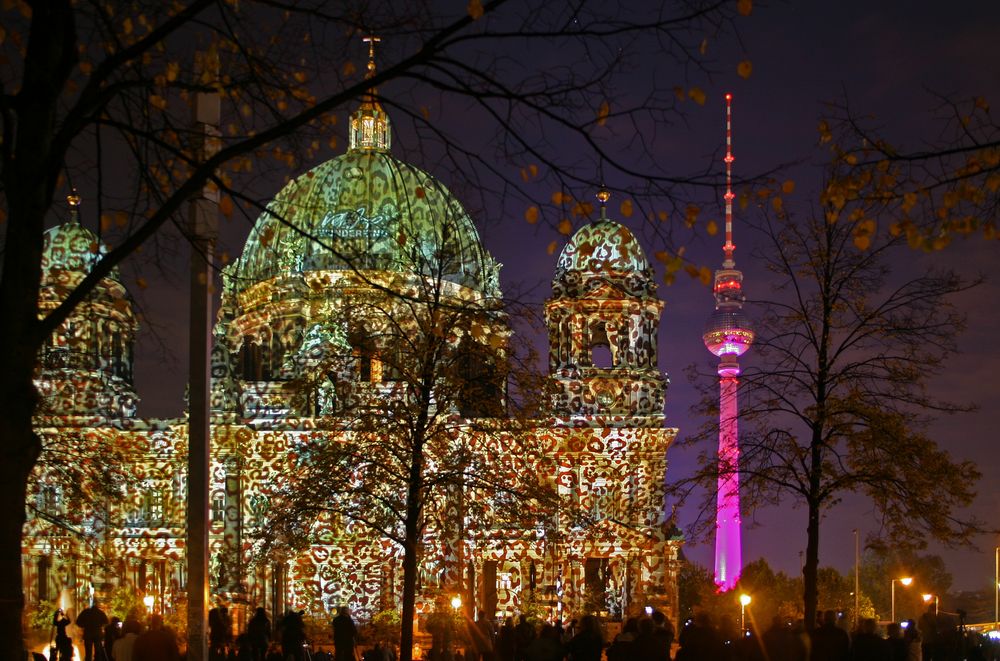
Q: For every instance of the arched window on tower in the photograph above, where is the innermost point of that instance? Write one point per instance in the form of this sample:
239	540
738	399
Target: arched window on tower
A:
600	348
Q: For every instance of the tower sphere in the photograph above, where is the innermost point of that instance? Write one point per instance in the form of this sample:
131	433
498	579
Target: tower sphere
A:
728	332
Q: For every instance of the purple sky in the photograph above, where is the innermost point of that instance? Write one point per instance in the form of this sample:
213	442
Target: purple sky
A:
885	55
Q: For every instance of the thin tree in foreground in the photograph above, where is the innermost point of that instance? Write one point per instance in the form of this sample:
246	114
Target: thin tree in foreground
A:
837	400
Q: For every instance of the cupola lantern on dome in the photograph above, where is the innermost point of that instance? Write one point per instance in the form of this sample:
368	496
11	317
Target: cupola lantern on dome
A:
370	128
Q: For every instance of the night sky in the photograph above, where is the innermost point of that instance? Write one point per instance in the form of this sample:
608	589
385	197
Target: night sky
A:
885	56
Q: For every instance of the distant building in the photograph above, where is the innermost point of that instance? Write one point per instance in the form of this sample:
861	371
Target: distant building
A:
283	314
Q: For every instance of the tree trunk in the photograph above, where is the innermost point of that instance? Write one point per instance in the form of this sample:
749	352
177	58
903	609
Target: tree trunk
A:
810	569
411	545
19	449
30	168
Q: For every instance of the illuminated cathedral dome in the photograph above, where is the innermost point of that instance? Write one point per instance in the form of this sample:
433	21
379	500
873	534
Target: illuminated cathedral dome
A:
602	252
70	247
728	332
366	210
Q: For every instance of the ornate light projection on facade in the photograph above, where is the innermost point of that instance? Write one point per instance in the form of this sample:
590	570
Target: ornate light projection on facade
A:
728	335
303	343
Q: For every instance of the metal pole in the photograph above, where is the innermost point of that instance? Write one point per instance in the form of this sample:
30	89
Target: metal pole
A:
202	228
893	590
996	588
857	578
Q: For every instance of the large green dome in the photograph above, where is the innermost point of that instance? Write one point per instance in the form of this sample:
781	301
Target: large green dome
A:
366	210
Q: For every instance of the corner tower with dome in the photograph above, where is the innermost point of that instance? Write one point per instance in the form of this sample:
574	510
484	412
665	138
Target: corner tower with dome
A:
307	344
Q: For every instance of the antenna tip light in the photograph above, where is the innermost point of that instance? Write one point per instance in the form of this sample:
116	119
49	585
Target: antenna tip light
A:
729	96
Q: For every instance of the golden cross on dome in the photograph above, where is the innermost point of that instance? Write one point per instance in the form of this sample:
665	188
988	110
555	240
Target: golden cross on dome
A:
371	40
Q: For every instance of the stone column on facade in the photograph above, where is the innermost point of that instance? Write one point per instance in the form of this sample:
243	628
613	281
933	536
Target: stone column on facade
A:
233	541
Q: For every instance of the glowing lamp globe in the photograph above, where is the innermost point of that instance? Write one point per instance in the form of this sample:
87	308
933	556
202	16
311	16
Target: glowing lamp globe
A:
728	332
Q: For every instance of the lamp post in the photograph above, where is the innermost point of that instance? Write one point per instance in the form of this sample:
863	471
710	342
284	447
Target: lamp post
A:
906	580
996	589
744	602
927	599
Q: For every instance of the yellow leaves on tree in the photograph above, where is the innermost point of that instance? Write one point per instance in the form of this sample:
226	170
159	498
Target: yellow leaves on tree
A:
602	113
712	228
141	282
825	135
226	206
565	227
705	275
173	70
691	215
157	102
697	95
552	248
863	232
582	209
703	48
349	69
531	214
475	9
529	173
744	69
561	198
788	187
626	208
744	7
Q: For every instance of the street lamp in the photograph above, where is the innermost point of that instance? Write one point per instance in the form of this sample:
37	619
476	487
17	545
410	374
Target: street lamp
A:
927	600
906	580
456	602
149	600
744	602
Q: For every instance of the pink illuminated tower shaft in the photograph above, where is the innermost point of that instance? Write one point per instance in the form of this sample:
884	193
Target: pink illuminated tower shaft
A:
728	335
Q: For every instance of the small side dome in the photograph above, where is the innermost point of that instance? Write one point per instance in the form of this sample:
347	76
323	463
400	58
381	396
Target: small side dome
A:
599	252
603	247
70	247
728	332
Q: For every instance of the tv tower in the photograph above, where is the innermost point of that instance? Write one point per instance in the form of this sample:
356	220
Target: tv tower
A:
728	335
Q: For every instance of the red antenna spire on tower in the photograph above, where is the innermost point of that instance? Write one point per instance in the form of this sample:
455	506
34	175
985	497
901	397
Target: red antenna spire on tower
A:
729	247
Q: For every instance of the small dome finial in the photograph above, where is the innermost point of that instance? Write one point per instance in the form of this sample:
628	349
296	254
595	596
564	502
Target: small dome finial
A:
603	195
371	40
74	201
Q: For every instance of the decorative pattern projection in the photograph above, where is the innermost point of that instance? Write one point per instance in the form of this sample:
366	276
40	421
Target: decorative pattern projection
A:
294	351
728	335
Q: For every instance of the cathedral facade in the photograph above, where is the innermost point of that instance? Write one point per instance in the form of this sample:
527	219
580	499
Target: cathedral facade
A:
309	348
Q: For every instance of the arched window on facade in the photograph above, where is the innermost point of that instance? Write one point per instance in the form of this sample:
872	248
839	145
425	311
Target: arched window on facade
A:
367	362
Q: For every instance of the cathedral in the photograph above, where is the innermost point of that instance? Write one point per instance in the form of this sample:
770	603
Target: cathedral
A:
308	350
